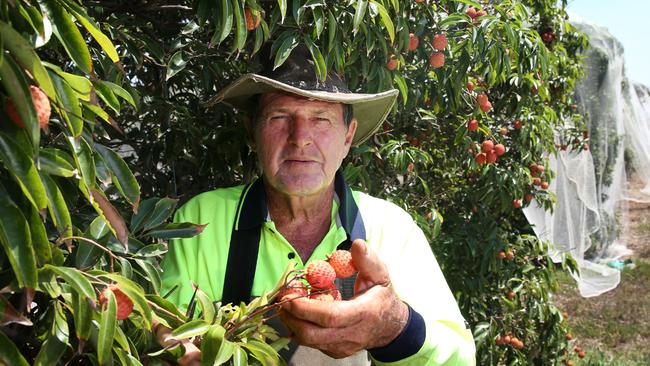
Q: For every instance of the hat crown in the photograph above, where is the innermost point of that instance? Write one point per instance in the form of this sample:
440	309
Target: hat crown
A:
299	71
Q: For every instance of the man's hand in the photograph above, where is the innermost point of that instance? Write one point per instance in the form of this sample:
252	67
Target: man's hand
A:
192	356
373	318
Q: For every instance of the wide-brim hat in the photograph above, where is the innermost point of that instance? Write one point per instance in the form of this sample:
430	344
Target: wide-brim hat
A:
297	75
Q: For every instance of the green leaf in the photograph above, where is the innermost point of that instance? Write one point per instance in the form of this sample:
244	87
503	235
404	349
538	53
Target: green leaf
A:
152	274
26	57
176	63
282	4
239	357
119	91
331	31
317	56
176	230
10	315
161	212
145	210
57	207
401	85
55	162
93	28
15	84
124	179
385	20
22	168
80	84
107	95
262	352
207	306
241	30
74	278
284	50
191	329
56	343
107	324
215	350
83	316
84	159
66	31
17	242
359	14
9	353
225	21
40	243
115	221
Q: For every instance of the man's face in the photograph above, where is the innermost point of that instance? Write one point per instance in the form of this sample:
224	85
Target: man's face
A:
300	143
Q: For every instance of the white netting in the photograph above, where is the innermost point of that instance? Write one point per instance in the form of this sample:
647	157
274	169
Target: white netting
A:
592	186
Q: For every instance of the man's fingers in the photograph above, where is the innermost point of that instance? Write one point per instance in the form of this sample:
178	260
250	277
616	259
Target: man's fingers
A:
330	314
370	267
315	336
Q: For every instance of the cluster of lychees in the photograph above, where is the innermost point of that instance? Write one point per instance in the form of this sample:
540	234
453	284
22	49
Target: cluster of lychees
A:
509	339
489	152
320	276
474	13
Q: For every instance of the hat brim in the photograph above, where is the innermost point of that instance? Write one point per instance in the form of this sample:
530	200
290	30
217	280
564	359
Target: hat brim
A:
370	110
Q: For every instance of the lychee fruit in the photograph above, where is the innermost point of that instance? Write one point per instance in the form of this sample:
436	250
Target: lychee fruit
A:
293	290
480	158
517	124
472	125
320	274
471	12
41	103
392	63
486	107
487	146
413	42
124	303
341	261
491	157
544	185
439	42
529	197
499	149
516	203
482	99
470	86
253	18
537	181
437	60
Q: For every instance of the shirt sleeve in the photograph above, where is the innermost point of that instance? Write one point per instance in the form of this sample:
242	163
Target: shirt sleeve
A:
419	282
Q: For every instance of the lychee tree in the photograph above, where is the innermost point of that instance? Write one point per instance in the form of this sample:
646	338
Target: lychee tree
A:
127	83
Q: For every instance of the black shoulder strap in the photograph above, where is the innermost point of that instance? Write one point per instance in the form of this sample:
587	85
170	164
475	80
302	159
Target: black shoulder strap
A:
242	259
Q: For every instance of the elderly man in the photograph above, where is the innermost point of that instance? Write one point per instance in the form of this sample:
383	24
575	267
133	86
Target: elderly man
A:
401	311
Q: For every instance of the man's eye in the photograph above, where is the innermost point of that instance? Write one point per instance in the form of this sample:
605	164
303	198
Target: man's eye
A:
278	118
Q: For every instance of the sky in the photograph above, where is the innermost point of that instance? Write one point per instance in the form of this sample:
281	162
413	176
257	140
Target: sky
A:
627	20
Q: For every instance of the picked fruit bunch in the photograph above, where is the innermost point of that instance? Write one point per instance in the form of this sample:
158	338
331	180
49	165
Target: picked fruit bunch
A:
319	276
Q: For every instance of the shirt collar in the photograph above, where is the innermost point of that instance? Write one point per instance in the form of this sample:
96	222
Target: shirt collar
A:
253	211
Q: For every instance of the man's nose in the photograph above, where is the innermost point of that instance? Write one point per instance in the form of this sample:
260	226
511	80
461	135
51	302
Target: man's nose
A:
300	131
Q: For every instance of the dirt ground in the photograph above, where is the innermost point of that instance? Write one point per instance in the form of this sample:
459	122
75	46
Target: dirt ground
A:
616	324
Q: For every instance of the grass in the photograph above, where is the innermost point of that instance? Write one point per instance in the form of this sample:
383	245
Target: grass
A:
613	328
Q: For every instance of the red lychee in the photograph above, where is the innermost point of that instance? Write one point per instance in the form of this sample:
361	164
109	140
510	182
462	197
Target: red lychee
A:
320	274
341	261
472	125
413	42
439	42
499	149
487	146
41	103
437	60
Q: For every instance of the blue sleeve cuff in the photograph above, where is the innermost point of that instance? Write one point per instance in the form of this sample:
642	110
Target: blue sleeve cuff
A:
407	343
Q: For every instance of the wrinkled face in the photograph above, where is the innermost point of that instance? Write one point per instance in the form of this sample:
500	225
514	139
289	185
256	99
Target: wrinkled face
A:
300	143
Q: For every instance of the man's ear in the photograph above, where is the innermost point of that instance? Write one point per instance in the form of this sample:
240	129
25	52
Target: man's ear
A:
352	129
